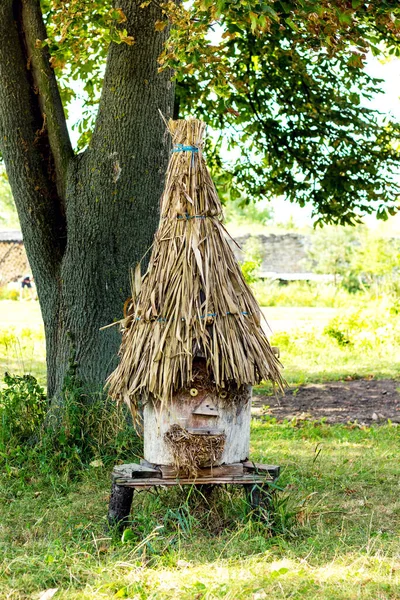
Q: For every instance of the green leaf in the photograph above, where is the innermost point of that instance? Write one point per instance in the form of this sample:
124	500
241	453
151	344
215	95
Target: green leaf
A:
291	24
128	536
270	12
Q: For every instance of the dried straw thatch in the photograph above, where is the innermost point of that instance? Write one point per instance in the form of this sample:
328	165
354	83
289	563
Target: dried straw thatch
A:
192	451
193	300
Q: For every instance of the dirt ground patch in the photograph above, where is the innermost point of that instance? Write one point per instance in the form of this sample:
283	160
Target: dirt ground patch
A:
364	401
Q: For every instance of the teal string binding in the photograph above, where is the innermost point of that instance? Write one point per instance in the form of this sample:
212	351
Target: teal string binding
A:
187	217
201	316
183	148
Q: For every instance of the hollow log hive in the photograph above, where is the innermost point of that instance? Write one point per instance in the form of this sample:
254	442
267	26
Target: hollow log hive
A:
192	342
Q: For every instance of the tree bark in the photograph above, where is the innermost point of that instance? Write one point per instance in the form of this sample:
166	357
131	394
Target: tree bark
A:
85	219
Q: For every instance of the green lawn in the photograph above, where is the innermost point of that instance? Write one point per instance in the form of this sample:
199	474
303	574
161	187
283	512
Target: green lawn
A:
336	537
336	521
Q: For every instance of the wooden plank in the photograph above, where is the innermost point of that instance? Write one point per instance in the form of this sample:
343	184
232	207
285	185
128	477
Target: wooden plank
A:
204	430
251	467
248	465
240	480
135	471
206	408
169	472
146	463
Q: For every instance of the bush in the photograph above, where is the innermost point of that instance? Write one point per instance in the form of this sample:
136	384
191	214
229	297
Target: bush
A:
86	428
366	328
8	294
22	409
80	431
250	270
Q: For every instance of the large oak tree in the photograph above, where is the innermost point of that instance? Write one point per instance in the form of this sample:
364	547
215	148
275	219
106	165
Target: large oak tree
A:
282	79
85	217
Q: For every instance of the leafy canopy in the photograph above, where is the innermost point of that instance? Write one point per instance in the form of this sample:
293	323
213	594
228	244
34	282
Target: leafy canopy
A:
283	81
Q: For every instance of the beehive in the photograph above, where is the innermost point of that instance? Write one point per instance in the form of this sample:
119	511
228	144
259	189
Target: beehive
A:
193	345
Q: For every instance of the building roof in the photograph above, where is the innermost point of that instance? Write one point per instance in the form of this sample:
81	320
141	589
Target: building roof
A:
10	236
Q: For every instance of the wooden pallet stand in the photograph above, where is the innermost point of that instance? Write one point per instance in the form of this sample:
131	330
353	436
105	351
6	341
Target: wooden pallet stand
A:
254	477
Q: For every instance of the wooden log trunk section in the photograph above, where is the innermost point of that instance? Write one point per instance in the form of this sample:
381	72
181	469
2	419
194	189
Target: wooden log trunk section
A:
200	411
120	506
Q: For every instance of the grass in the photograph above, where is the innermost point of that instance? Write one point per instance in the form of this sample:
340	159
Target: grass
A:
22	343
336	536
336	521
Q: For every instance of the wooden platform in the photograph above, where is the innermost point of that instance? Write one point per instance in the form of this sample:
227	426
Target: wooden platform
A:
254	477
146	475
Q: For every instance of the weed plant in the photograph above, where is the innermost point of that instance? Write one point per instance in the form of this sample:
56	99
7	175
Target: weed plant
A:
61	441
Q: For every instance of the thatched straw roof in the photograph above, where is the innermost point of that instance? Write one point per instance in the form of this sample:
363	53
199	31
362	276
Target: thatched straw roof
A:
193	300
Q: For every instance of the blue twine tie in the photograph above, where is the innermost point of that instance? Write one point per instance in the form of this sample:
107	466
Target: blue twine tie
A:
183	148
187	217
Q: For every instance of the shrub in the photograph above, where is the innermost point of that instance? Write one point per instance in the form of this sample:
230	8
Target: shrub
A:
22	409
366	328
250	270
8	294
63	439
86	427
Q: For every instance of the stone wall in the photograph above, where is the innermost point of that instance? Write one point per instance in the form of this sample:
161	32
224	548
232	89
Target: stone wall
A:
282	253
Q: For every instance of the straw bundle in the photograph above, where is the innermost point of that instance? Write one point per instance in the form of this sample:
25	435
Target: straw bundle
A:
193	301
192	451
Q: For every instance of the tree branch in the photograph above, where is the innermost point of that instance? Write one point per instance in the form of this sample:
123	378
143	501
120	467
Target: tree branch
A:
49	96
26	150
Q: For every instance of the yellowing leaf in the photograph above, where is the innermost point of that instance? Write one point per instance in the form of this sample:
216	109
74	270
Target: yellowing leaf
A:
160	25
120	15
126	39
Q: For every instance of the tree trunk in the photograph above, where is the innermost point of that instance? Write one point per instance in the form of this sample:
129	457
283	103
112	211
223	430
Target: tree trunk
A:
86	219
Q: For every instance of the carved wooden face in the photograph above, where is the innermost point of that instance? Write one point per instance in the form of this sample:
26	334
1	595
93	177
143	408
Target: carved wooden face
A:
202	409
206	408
